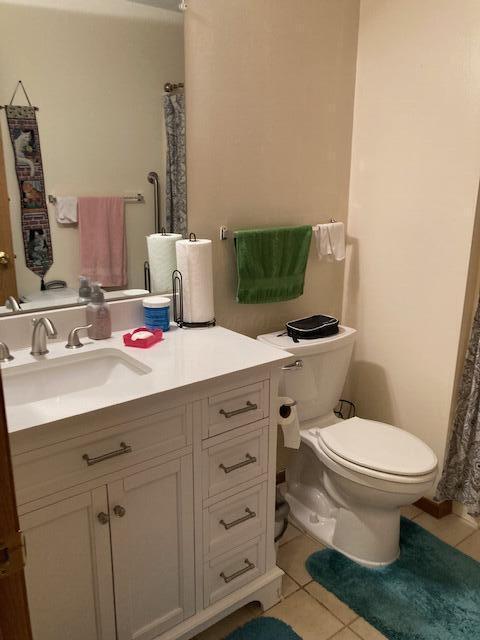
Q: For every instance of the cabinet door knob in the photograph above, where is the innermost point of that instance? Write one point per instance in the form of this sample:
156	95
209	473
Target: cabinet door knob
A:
103	517
119	511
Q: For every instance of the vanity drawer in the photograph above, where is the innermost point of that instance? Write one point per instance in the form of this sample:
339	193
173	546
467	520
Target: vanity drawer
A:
233	521
235	407
230	571
65	464
236	460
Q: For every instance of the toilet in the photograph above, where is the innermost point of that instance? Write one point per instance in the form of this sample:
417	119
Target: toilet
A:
349	479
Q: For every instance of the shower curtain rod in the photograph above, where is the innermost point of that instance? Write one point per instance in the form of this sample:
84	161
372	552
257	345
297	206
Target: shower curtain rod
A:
169	87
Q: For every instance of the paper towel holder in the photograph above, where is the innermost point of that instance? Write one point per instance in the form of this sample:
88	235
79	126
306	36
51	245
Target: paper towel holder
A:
177	289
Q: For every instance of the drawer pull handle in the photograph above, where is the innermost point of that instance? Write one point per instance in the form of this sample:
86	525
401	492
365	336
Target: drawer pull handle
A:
248	460
238	573
124	448
250	406
298	364
250	514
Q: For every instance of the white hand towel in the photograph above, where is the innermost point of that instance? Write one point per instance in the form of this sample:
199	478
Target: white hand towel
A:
66	209
330	241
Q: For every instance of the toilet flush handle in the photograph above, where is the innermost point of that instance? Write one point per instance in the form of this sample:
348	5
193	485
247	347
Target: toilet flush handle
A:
298	364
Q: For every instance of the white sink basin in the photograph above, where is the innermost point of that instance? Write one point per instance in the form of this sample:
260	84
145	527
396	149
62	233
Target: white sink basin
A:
59	378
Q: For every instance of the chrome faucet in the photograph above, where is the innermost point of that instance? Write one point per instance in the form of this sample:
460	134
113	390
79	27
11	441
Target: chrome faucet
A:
43	328
12	303
5	355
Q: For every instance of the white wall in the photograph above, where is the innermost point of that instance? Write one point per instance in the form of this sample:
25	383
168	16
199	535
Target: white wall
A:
269	120
413	190
98	81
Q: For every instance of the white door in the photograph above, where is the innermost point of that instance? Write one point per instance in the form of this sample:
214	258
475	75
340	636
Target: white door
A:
152	549
68	569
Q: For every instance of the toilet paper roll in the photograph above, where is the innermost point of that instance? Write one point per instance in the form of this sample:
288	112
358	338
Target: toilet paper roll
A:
288	420
162	260
194	261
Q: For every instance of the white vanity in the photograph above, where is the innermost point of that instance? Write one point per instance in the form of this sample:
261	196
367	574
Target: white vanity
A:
145	483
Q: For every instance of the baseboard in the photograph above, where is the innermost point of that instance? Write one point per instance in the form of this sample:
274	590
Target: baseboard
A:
435	509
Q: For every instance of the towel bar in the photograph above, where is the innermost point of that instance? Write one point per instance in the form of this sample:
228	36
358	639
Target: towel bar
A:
138	198
225	234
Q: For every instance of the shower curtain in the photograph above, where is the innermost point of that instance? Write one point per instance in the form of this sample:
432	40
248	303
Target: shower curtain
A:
461	474
176	181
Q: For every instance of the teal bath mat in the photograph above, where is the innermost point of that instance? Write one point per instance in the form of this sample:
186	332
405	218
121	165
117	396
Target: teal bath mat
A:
264	629
432	592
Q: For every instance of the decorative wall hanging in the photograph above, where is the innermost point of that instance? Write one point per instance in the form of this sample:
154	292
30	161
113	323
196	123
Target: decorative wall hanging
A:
23	129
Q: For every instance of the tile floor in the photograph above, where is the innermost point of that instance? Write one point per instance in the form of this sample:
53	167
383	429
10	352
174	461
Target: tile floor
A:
314	612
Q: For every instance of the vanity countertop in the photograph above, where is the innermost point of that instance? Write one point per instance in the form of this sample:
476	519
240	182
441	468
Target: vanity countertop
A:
183	358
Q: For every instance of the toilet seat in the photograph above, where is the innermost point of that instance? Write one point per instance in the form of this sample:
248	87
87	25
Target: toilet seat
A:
379	447
375	450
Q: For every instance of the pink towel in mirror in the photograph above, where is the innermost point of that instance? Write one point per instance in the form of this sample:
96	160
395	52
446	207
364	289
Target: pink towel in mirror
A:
103	249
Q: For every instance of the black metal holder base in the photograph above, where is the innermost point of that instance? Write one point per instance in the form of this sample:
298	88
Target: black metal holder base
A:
146	276
195	325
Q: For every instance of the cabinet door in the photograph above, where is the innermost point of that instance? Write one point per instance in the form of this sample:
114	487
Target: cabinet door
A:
68	569
152	549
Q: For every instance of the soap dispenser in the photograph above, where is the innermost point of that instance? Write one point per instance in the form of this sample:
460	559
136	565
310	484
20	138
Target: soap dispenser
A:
84	290
98	315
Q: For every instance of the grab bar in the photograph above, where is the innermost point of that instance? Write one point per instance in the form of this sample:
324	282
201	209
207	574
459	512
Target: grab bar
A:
153	179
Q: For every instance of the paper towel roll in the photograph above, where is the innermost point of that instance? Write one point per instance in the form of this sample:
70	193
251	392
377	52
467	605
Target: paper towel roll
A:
194	261
162	260
290	424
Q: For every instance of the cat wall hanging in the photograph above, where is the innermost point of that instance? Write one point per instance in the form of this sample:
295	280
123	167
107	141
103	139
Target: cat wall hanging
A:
37	241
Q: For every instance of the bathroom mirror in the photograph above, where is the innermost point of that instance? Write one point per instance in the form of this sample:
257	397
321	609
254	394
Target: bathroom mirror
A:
104	78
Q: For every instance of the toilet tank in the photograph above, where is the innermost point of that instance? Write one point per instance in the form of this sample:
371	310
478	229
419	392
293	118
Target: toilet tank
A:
317	385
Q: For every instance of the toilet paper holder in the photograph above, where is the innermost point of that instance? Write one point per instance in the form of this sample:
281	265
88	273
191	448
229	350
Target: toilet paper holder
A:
286	408
177	288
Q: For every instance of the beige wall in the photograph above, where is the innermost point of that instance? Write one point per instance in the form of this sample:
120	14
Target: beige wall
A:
269	115
414	181
98	81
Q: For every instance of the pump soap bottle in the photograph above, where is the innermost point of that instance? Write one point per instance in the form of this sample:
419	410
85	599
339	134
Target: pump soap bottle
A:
84	290
98	315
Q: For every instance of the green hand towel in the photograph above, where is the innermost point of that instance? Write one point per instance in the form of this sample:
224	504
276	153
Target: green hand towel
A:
271	263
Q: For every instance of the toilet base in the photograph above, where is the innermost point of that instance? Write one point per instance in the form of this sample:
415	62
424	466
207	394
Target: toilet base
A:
361	541
362	522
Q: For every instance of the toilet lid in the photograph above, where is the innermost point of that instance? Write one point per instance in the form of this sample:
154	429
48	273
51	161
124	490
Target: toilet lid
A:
379	446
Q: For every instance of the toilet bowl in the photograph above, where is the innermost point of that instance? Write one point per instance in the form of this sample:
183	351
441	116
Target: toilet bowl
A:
349	479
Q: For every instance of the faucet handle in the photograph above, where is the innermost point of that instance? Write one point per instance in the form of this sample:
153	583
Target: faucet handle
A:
12	303
73	341
5	355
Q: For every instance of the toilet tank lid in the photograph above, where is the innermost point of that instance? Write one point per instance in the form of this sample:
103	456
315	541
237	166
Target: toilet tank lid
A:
379	446
281	340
